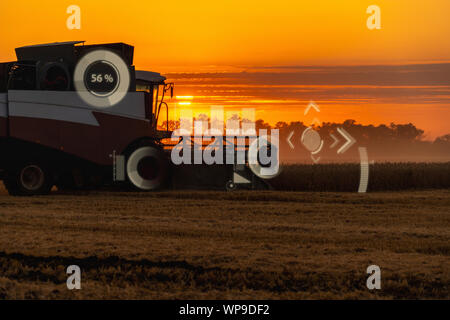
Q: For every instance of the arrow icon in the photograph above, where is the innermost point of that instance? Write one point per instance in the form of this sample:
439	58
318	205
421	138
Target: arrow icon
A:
311	105
316	160
316	122
289	140
348	144
336	140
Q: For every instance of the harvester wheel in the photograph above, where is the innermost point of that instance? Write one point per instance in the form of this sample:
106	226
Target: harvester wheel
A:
28	179
147	168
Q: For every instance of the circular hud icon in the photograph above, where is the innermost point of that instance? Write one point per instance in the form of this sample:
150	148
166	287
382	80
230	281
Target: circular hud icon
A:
312	141
101	78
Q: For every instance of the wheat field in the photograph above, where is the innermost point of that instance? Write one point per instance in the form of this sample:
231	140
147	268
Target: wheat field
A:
219	245
344	177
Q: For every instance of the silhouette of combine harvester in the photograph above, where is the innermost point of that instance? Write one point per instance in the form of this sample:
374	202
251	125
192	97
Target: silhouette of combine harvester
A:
80	116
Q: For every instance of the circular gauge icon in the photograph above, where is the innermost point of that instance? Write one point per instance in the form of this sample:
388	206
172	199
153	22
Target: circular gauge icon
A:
312	141
101	78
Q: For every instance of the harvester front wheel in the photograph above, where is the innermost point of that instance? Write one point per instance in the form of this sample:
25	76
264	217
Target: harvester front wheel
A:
147	168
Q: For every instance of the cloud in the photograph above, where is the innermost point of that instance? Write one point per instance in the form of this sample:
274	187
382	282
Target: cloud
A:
404	84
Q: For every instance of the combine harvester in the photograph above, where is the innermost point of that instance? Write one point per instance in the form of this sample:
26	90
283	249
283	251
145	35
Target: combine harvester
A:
79	116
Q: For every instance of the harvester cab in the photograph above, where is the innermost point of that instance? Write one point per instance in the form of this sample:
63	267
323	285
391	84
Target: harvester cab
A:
155	88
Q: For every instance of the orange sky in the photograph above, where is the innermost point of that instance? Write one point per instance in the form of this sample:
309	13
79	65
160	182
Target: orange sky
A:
237	32
198	35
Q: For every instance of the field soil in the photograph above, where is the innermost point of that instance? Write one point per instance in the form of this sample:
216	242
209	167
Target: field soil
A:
218	245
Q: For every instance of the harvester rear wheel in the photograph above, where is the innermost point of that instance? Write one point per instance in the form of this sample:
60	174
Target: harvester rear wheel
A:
28	178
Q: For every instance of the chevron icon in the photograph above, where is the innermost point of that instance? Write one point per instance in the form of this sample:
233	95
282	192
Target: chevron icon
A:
311	105
289	140
350	141
336	141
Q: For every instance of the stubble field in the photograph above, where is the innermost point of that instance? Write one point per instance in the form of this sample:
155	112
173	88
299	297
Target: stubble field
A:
218	245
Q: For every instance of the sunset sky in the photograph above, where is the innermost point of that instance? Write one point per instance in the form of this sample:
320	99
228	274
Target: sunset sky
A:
274	56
